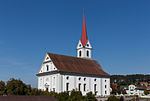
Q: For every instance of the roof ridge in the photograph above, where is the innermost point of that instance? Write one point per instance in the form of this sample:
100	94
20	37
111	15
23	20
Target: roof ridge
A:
71	56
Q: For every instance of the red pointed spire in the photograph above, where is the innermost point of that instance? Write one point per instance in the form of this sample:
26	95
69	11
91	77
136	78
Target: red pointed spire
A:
84	38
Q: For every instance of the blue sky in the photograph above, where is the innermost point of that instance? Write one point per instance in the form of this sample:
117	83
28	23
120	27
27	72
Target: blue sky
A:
119	31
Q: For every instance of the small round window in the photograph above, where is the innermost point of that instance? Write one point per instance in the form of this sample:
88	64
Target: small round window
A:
67	77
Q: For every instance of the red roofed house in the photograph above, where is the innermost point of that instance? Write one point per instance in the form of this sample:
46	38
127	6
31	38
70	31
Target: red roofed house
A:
147	88
133	90
61	73
144	84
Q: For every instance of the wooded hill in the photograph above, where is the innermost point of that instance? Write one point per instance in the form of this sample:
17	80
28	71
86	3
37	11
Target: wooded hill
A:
129	79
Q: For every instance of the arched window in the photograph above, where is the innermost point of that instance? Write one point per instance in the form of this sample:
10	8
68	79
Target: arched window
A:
95	88
47	67
80	45
105	92
67	86
87	53
84	87
80	53
79	86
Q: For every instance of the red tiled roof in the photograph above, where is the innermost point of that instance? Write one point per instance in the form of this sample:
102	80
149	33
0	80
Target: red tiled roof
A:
27	98
143	83
140	88
77	65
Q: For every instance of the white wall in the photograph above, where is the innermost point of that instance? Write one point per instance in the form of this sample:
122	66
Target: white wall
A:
51	80
58	82
133	91
84	50
49	63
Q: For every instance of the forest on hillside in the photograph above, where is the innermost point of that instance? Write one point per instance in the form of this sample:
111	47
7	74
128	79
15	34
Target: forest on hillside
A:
129	79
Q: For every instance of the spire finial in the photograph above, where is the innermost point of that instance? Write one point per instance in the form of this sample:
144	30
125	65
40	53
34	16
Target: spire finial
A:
84	37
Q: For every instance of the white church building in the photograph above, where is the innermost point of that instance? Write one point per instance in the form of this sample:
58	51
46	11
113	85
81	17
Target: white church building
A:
61	73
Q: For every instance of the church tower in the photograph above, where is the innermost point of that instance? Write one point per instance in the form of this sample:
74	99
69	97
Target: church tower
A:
84	47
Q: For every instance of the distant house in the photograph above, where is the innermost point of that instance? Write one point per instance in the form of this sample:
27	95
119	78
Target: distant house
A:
27	98
133	90
144	84
147	88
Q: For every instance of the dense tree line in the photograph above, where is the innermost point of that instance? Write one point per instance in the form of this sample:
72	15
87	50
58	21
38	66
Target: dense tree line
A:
17	87
129	79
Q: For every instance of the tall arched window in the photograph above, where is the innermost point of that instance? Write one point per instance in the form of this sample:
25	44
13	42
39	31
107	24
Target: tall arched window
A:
79	86
67	86
80	53
95	90
84	87
87	53
47	67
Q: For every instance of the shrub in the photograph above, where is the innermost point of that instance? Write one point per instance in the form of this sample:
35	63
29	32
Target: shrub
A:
90	96
2	87
17	87
113	98
64	96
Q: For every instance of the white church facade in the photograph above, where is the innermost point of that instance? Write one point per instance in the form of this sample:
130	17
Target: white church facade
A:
61	73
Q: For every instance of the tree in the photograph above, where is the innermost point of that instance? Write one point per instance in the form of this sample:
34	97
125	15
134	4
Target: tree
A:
64	96
17	87
146	92
35	91
27	89
75	96
90	97
2	87
113	98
